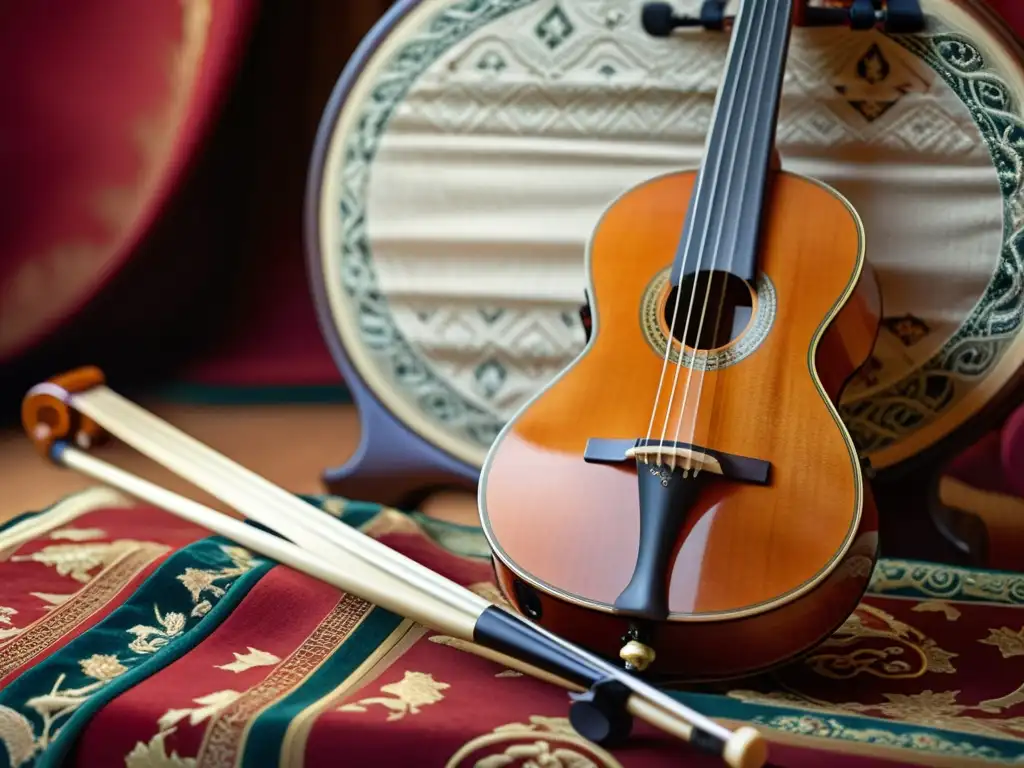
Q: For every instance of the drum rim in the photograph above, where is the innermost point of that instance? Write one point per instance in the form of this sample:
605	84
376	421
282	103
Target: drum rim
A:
975	421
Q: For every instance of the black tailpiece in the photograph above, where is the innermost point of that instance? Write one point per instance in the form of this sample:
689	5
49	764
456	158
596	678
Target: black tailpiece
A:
666	497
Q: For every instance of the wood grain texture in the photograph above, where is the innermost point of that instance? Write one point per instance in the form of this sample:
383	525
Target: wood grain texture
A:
570	528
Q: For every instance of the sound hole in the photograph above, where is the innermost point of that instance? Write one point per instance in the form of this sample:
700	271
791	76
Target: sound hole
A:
730	305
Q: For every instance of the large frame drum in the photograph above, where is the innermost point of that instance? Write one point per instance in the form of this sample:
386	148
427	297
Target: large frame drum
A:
470	147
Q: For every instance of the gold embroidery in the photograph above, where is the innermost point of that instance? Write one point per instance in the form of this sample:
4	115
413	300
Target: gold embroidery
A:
78	560
78	534
209	705
938	606
406	697
1003	702
244	661
907	652
921	707
52	600
149	639
154	754
404	637
197	580
1008	642
105	586
550	742
102	667
61	513
946	582
16	735
927	709
829	728
225	737
5	618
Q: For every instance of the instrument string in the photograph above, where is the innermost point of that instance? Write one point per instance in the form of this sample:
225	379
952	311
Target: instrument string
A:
717	151
720	217
731	248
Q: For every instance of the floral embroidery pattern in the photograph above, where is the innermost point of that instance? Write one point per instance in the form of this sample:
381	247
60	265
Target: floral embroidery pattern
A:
1009	642
30	724
149	639
198	581
79	560
17	732
253	658
407	696
154	754
7	628
209	705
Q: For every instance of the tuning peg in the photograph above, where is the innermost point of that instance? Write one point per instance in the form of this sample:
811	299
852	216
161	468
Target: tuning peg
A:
661	19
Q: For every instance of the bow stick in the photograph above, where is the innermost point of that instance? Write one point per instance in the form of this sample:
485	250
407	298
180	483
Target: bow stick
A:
69	414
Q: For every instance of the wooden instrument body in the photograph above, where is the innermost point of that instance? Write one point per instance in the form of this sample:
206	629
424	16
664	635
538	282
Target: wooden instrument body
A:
776	567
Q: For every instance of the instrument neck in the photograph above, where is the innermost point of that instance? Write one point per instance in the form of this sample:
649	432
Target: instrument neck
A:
723	221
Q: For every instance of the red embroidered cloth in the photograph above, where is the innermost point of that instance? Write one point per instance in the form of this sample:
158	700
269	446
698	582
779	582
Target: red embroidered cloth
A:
128	637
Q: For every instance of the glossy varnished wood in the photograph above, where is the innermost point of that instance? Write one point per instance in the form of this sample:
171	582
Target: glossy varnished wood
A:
569	529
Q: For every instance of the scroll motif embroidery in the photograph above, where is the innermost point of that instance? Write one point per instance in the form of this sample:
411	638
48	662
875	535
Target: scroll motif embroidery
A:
544	741
946	582
1009	642
406	697
906	653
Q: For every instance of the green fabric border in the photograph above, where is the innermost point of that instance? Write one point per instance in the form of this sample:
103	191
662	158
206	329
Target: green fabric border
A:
267	731
923	580
832	728
22	518
161	589
212	394
901	578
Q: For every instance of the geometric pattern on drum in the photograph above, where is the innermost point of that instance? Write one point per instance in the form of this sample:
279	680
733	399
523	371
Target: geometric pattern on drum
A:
977	346
475	405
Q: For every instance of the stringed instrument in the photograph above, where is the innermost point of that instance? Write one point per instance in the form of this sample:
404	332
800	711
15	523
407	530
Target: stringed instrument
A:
686	486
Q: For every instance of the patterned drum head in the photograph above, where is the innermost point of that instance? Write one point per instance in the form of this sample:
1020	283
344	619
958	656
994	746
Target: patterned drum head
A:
476	144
